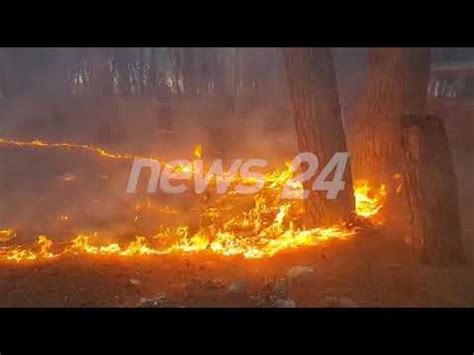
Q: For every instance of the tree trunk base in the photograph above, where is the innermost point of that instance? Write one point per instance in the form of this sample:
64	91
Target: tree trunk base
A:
432	193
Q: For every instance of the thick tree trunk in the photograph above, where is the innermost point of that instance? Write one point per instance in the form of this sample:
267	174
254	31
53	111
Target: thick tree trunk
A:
313	91
397	85
431	191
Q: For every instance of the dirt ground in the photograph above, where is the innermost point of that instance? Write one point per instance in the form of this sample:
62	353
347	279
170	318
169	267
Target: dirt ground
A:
373	270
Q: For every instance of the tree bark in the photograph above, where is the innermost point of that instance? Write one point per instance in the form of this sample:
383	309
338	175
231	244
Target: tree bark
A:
319	129
397	85
431	191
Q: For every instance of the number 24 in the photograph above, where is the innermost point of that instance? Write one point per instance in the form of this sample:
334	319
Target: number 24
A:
337	162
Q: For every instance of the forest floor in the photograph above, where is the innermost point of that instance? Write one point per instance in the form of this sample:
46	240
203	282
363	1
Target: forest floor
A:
375	269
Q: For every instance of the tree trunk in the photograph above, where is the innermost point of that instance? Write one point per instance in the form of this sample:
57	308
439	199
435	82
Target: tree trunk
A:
188	72
313	92
175	55
20	74
237	71
397	85
4	73
141	71
152	72
431	191
100	73
219	72
123	57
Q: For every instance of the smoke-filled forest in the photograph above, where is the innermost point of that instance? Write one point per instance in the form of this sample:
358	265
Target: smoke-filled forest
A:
125	177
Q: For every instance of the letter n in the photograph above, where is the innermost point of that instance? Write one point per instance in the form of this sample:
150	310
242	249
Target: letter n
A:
138	165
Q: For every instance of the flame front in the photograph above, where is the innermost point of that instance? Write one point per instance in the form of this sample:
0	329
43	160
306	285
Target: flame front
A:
256	226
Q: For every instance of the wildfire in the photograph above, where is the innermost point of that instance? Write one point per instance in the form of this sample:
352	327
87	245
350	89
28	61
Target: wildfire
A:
37	143
255	226
369	202
7	234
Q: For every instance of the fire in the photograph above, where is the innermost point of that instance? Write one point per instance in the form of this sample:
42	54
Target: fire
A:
369	202
198	151
252	226
37	143
63	217
7	234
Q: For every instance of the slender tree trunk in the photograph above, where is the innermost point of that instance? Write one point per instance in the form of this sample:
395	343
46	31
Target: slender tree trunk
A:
141	71
152	72
176	57
123	59
313	91
57	87
4	73
237	70
15	80
431	191
220	72
189	82
397	85
100	72
274	72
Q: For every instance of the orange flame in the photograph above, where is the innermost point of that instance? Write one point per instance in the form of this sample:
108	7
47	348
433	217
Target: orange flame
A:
369	202
198	151
231	225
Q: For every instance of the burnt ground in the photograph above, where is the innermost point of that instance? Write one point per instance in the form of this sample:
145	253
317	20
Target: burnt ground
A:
375	269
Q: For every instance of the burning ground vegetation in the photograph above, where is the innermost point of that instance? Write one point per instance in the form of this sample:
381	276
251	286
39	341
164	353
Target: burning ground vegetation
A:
258	226
210	250
254	227
71	235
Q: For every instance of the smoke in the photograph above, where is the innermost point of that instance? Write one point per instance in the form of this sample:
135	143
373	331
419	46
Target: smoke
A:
65	192
60	193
